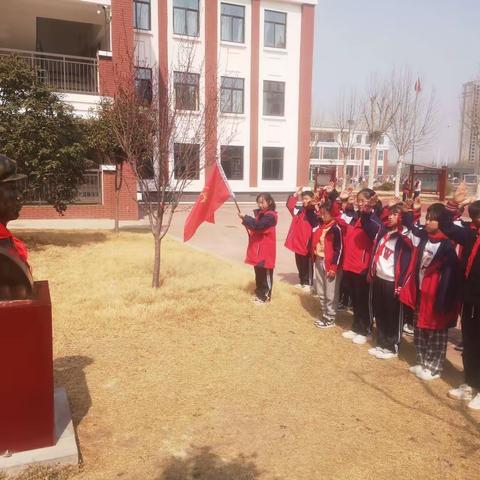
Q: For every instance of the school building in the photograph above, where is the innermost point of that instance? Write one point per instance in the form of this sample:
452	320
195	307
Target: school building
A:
326	155
260	50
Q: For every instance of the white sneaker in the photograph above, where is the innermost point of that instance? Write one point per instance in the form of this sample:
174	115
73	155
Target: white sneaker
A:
385	354
463	392
426	375
359	339
373	351
416	369
307	288
474	404
408	330
349	335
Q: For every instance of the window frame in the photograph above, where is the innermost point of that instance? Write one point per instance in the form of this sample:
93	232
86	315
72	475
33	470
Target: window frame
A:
224	150
232	89
149	4
265	92
149	98
186	9
231	18
196	175
265	21
282	160
197	90
336	157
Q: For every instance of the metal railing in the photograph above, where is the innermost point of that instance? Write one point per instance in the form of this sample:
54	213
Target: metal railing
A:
65	73
89	191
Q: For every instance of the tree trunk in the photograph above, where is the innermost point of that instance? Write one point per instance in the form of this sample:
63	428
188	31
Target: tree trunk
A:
344	182
371	165
398	175
117	210
157	260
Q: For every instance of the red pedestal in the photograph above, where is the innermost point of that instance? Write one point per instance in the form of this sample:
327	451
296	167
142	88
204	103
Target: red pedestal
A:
26	373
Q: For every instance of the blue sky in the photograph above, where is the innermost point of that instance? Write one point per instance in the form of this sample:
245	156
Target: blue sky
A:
439	40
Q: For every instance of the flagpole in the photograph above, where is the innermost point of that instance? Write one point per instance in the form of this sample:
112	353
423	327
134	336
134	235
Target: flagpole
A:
220	168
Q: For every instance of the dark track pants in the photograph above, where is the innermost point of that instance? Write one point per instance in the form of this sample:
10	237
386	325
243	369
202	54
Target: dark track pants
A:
358	287
387	313
305	268
263	283
471	344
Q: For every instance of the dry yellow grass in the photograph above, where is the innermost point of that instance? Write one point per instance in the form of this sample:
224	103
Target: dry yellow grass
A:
196	382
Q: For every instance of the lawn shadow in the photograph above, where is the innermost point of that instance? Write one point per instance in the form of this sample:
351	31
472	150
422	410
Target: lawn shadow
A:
69	373
291	278
203	464
38	241
473	430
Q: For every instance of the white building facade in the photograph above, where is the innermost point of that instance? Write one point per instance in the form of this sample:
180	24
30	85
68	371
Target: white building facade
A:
326	154
257	54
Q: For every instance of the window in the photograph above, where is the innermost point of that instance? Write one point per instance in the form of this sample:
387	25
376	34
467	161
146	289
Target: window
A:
272	166
315	152
379	170
273	98
366	169
186	90
275	29
233	23
323	136
330	153
349	170
367	155
143	83
381	140
352	154
186	18
186	160
141	14
231	95
232	162
359	139
380	155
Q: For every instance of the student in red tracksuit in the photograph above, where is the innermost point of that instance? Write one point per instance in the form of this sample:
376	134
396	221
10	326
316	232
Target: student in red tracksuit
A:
391	259
467	234
261	250
356	260
300	233
327	249
432	290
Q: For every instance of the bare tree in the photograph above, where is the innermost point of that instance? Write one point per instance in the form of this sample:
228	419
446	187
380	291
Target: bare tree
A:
413	123
379	107
168	129
346	121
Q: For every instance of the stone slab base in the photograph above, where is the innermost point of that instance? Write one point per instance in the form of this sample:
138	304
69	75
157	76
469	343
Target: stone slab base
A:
65	452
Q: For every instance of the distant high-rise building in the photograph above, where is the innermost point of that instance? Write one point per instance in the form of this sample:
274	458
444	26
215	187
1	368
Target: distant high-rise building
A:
469	154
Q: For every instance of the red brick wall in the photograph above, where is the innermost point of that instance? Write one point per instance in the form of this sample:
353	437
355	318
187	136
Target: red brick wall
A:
106	76
128	202
386	167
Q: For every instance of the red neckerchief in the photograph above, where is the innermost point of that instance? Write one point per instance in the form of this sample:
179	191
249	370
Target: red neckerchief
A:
473	253
436	237
19	247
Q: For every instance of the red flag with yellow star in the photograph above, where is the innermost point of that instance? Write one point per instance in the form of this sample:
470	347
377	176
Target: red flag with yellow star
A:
215	193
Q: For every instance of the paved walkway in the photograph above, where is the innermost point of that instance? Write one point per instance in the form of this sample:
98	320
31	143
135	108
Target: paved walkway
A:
226	239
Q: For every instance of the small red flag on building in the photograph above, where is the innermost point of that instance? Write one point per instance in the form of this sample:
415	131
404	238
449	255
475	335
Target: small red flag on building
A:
418	86
215	193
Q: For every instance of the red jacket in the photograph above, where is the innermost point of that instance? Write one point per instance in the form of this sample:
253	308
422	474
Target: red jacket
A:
333	245
300	233
358	246
262	244
13	245
437	299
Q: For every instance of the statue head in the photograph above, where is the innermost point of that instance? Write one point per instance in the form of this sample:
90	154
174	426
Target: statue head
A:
10	205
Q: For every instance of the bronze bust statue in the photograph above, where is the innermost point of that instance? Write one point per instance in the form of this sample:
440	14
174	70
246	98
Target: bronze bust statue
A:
16	281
